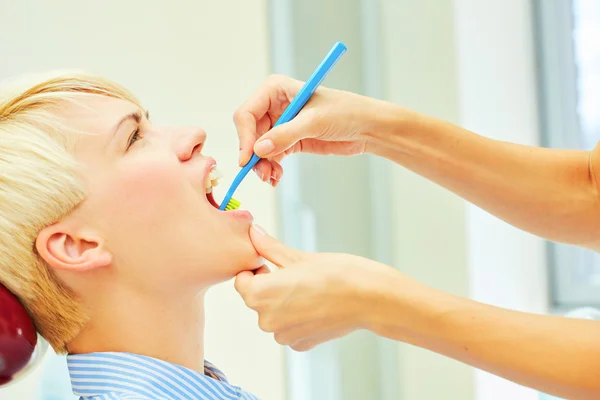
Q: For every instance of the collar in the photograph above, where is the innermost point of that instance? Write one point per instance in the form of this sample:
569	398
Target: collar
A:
97	374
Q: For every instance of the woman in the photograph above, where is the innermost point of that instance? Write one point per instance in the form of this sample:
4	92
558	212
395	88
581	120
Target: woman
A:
110	237
313	298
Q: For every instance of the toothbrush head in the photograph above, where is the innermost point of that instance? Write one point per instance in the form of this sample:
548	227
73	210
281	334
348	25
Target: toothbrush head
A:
232	205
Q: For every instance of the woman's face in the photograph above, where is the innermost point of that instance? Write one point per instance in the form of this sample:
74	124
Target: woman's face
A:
147	200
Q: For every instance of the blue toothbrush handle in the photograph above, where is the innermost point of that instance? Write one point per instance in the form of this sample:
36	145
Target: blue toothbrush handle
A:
292	110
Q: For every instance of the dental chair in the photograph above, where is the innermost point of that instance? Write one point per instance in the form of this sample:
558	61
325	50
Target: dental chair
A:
21	348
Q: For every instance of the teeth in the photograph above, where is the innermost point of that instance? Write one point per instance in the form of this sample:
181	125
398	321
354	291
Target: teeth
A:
213	179
215	174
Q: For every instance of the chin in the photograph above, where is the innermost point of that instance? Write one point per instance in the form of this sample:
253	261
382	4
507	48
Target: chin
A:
249	262
233	260
246	256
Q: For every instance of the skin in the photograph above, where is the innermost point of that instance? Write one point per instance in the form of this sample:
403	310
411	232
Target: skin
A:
313	298
145	244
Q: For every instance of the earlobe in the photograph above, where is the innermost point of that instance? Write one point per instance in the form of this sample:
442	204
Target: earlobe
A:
65	250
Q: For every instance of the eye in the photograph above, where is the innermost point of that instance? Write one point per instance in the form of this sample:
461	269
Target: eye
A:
135	136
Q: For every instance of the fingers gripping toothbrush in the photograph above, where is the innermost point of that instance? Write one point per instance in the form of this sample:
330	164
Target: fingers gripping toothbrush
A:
290	112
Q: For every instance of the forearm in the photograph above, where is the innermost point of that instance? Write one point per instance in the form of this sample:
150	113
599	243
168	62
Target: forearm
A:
555	355
550	193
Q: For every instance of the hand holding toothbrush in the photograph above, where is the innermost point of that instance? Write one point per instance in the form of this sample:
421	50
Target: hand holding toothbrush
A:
286	114
333	122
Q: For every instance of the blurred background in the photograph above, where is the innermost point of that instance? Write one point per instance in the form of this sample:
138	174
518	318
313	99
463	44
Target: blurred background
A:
516	70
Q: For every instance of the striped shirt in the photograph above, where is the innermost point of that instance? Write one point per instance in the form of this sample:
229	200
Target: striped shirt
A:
126	376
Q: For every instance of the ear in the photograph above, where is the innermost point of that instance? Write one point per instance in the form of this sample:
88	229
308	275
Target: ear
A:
66	249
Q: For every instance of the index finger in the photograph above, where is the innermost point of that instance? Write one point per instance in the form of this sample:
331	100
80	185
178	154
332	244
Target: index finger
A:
246	124
263	108
248	115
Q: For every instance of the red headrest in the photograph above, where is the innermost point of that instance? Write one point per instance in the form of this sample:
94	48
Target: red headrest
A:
18	336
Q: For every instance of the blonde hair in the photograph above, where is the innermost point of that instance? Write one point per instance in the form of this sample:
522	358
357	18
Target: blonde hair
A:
40	184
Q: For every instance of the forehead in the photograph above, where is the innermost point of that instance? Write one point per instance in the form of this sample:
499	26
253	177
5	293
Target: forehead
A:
92	119
93	113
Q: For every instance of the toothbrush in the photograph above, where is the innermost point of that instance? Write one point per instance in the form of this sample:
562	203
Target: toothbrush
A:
290	112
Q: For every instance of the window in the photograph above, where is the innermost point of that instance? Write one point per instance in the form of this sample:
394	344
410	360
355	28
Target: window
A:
569	66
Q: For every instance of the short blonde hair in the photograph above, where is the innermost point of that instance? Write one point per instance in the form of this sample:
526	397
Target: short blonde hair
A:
39	185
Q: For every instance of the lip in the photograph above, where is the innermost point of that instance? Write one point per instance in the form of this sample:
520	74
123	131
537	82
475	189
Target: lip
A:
210	163
242	215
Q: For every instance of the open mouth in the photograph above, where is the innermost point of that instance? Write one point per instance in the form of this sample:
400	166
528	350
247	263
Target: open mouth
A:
212	180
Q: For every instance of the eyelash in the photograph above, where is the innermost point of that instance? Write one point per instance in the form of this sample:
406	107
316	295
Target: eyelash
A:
134	137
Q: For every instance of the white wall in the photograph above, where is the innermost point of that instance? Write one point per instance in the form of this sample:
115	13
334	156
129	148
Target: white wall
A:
470	62
429	222
497	82
193	63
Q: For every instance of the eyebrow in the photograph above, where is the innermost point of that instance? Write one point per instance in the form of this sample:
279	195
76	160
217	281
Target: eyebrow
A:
135	116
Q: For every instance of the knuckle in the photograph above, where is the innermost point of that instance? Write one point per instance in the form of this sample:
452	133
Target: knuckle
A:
251	301
265	323
315	119
299	347
275	78
317	115
303	346
282	339
238	115
299	256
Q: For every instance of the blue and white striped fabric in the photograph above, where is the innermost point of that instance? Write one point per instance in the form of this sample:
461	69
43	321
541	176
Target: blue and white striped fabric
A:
126	376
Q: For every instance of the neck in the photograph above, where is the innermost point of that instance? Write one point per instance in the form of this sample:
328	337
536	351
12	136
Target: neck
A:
168	328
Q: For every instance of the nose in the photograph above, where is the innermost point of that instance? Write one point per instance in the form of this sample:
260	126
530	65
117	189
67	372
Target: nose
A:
189	141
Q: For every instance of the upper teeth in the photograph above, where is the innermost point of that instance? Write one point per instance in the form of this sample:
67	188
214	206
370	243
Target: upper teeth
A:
212	179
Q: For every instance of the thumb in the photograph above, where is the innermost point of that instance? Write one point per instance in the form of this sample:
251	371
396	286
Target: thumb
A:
273	250
243	282
281	138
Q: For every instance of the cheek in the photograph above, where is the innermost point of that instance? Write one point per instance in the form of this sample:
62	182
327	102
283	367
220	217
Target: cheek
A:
151	188
140	196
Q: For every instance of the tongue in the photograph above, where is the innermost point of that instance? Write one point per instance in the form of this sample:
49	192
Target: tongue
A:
211	200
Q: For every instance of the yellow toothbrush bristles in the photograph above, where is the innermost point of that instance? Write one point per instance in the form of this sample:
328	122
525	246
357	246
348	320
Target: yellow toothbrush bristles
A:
233	205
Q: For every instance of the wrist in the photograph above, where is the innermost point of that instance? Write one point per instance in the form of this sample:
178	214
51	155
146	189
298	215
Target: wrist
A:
385	124
403	309
385	303
379	290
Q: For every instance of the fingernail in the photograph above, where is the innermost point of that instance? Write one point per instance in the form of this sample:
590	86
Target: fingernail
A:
240	158
263	148
259	230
